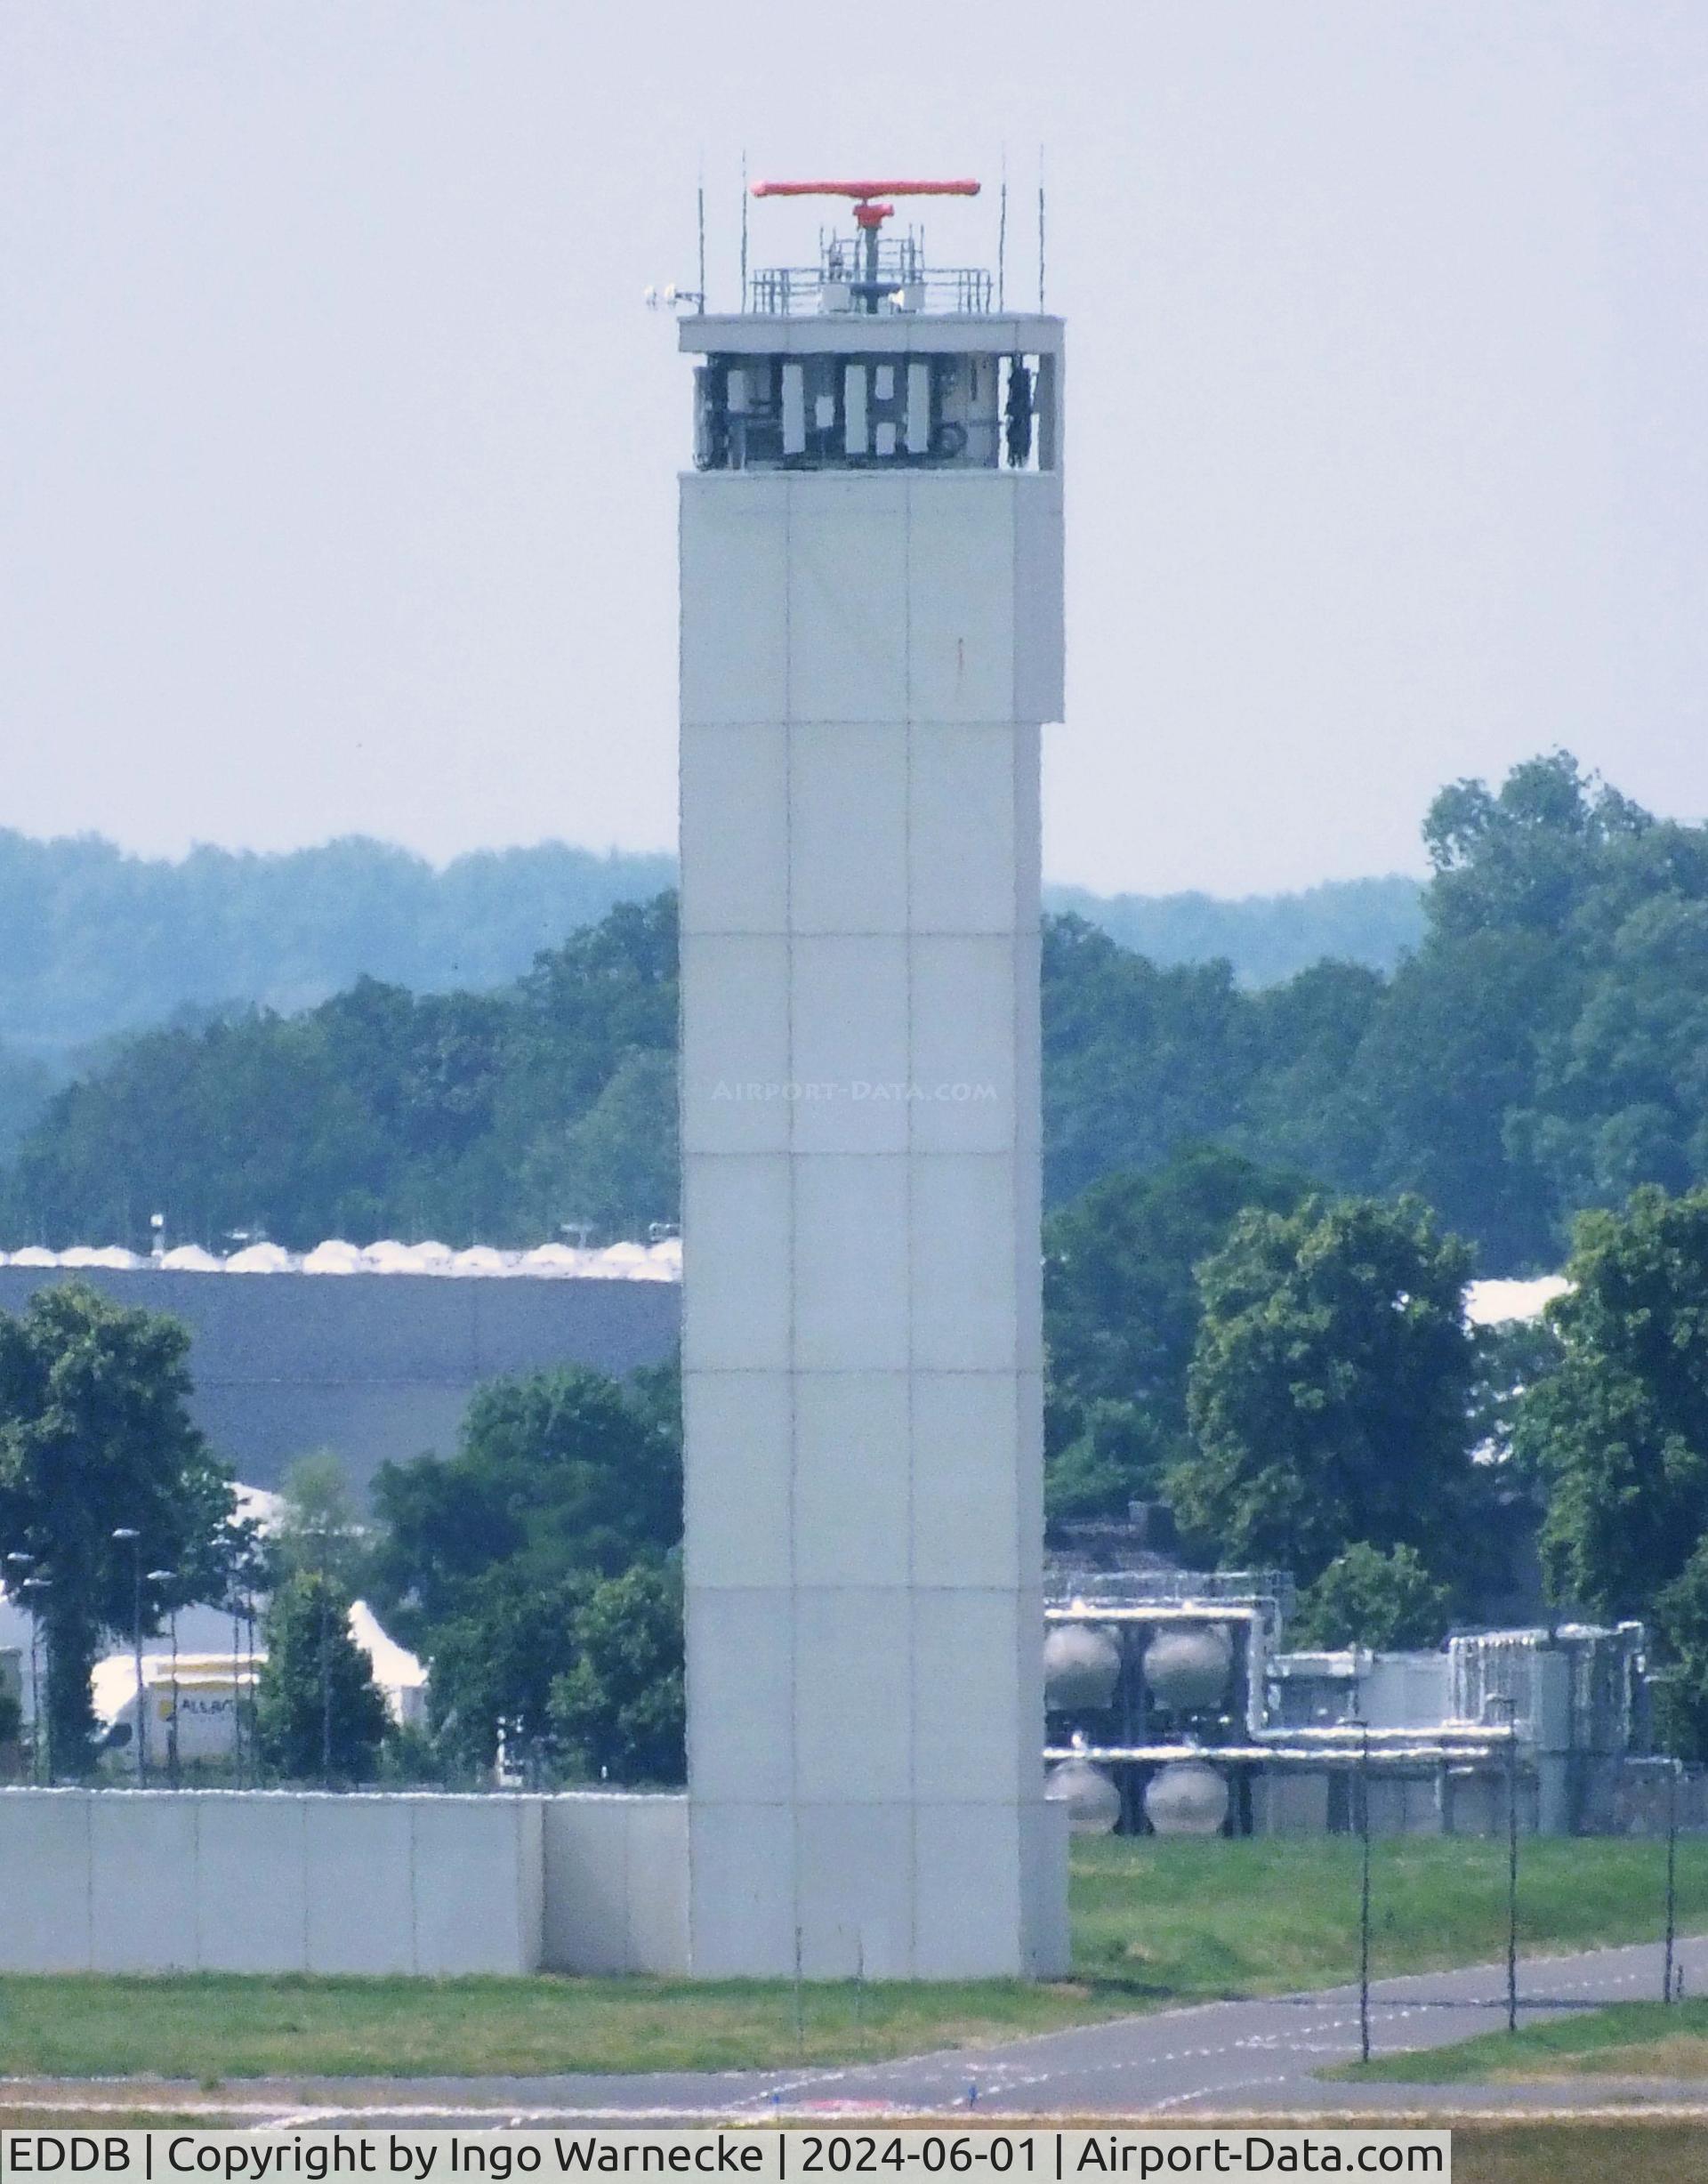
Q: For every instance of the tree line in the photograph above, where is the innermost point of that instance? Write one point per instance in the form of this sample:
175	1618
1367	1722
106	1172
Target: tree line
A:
1537	1053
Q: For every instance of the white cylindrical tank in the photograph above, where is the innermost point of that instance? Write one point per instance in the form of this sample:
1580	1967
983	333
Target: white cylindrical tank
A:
1092	1800
1187	1798
1081	1665
1187	1666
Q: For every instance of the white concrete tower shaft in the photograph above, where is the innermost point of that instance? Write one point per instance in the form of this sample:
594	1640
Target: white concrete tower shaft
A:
871	638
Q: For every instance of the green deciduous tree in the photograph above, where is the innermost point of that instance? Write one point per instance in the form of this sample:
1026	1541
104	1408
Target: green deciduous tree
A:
496	1653
319	1715
1618	1433
1330	1390
1681	1612
486	1562
554	1472
1369	1598
1120	1316
95	1435
619	1710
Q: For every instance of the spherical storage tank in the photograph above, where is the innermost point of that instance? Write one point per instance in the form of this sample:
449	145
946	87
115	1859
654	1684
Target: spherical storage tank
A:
1092	1800
1081	1667
1187	1666
1185	1798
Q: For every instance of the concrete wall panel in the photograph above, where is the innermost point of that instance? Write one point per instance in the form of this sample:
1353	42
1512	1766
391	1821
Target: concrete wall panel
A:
848	1017
46	1921
966	1502
734	665
739	1539
967	1743
961	577
361	1895
846	600
962	815
251	1888
735	807
472	1905
848	829
586	1885
853	1678
142	1871
658	1864
967	1902
963	1037
743	1920
966	1256
851	1483
856	1884
736	1208
739	1648
736	1063
850	1263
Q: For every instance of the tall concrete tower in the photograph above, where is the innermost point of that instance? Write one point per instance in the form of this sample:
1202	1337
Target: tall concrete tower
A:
871	637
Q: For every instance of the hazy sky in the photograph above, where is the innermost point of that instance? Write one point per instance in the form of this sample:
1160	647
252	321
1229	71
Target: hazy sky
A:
337	453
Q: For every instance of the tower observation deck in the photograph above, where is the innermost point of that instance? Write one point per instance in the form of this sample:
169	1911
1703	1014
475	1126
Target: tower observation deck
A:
871	542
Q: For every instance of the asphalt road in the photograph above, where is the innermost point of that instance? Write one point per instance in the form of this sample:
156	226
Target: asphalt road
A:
1220	2058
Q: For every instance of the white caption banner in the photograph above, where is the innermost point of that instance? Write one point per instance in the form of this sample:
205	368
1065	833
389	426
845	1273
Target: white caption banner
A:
775	2155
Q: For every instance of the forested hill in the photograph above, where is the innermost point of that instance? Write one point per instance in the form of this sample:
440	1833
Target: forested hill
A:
1541	1050
1266	938
95	942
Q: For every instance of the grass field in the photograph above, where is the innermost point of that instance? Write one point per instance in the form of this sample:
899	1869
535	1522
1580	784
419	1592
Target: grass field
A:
1627	2040
1579	2153
1155	1922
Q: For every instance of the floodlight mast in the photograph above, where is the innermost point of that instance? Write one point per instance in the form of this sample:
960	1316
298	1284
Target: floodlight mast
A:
872	208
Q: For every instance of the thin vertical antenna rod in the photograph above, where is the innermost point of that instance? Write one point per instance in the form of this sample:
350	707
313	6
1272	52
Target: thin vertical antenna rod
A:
700	206
744	229
1040	230
1001	237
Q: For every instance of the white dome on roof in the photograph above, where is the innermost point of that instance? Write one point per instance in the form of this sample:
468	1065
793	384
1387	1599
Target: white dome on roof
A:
624	1254
431	1256
554	1258
387	1256
34	1256
482	1259
191	1259
113	1255
260	1259
335	1256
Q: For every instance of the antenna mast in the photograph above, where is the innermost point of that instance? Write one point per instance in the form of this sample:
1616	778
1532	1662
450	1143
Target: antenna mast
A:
1040	231
1002	236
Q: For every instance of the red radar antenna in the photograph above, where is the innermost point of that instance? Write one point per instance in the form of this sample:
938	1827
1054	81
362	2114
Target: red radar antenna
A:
871	208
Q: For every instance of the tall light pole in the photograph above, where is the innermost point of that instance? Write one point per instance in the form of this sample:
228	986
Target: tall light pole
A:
20	1565
1673	1765
1364	1892
1509	1706
128	1533
169	1578
234	1609
40	1746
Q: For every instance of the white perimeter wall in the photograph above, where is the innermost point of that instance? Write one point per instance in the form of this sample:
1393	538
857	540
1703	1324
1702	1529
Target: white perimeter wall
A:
211	1881
615	1884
